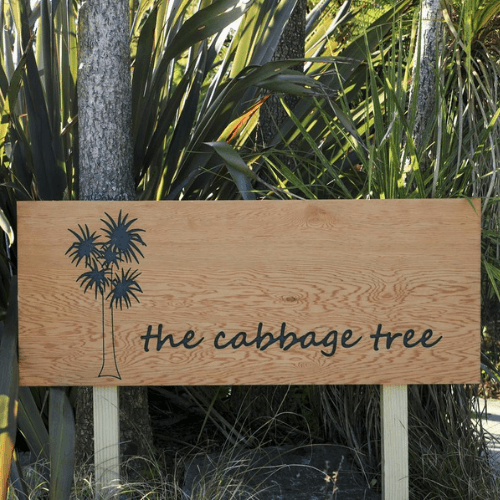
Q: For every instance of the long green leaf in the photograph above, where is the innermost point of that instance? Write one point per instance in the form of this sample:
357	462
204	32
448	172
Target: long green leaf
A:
493	275
205	23
9	384
5	225
17	480
259	33
62	444
136	29
293	179
18	8
312	143
200	26
187	115
50	177
142	64
239	170
290	82
31	424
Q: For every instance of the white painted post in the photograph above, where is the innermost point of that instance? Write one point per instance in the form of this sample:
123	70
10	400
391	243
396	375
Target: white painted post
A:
394	415
106	441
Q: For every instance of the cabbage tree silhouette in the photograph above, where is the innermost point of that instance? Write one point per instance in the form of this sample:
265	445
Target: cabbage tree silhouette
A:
104	259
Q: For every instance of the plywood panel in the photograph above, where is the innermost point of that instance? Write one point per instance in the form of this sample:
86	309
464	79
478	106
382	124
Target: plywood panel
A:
267	292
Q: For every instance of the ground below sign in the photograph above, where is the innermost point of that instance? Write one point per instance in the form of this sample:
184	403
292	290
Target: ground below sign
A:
267	292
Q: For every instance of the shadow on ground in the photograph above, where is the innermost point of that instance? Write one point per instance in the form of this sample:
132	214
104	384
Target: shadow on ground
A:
314	472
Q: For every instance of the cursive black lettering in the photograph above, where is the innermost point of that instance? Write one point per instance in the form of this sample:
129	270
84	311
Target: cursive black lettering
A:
326	342
190	336
148	337
427	336
240	339
160	340
284	337
389	338
308	340
287	339
266	338
220	335
407	338
346	336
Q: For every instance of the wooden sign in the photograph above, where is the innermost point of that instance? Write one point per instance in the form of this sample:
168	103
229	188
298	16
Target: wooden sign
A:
232	292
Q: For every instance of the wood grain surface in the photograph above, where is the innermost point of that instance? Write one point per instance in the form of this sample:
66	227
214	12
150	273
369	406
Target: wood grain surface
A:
336	268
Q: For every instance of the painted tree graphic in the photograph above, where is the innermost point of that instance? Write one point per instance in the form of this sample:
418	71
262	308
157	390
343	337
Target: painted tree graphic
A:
105	255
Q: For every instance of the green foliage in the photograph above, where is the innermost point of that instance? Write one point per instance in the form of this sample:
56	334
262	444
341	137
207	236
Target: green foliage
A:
8	389
448	453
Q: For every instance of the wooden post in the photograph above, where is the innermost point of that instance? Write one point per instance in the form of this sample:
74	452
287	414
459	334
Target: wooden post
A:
106	441
394	415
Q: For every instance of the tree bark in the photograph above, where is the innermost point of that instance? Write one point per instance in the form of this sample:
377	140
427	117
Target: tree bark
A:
425	69
290	46
105	102
105	173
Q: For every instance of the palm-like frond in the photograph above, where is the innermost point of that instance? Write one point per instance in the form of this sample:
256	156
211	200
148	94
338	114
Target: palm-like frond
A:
95	279
124	288
123	240
86	247
110	257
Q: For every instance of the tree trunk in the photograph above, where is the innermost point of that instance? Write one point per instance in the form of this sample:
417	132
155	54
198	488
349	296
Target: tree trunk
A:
105	102
105	173
290	46
425	70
